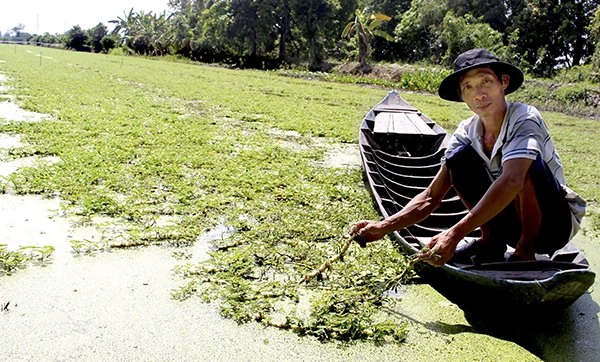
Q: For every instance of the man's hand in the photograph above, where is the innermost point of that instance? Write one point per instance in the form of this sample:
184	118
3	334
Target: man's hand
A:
368	230
443	244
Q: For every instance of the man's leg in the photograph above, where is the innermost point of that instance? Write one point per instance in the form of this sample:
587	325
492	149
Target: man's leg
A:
471	180
527	206
544	213
538	221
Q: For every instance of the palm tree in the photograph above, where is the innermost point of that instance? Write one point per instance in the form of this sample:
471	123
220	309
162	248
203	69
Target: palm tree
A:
145	33
364	28
124	23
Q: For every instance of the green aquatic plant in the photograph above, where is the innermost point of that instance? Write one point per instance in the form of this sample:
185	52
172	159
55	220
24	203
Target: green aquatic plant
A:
87	246
169	151
11	260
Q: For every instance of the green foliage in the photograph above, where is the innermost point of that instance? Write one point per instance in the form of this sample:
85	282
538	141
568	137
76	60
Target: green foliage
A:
76	38
365	27
95	37
578	74
142	147
169	160
422	80
459	34
121	50
418	26
594	29
145	33
337	315
557	33
87	246
419	80
46	38
10	261
593	218
539	36
312	18
108	43
572	98
16	33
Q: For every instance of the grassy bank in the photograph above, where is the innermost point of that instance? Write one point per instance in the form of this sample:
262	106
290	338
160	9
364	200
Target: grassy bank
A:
573	91
171	150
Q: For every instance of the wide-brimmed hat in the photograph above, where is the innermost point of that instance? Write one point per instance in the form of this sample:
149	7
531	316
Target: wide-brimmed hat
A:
477	58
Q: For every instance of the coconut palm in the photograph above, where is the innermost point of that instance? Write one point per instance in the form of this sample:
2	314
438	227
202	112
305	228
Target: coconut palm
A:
364	28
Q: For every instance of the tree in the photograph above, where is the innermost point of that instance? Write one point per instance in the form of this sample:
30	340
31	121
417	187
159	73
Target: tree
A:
16	30
108	42
382	49
251	28
47	38
459	34
491	12
364	28
145	33
552	32
594	29
210	32
283	25
95	36
418	29
76	38
311	18
184	20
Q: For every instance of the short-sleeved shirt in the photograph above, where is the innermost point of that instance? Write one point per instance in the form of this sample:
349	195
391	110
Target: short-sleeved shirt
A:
523	135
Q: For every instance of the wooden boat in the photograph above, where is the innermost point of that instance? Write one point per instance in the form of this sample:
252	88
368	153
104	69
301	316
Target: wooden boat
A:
401	150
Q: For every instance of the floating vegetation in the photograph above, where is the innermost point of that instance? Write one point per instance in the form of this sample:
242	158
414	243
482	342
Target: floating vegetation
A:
244	150
11	260
287	285
86	246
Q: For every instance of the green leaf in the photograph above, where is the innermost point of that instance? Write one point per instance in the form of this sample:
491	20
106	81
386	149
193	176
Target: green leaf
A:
381	17
348	29
383	34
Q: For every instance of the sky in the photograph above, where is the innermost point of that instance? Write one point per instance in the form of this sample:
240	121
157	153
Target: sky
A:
58	16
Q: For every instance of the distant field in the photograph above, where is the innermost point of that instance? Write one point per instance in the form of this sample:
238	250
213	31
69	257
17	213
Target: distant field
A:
174	149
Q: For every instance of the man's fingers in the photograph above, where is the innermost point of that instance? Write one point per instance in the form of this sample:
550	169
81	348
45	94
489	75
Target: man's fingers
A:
360	240
354	228
431	254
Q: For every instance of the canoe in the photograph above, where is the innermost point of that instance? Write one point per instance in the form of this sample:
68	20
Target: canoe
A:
401	150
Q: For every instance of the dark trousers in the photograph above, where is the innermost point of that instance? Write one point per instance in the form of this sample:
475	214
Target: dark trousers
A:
471	179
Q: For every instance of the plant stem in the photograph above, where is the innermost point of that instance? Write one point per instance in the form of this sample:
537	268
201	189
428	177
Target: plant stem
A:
327	264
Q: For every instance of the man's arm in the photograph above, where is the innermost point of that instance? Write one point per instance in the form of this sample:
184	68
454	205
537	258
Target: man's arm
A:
416	210
502	192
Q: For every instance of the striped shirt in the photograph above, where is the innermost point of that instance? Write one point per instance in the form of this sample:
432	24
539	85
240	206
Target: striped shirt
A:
523	135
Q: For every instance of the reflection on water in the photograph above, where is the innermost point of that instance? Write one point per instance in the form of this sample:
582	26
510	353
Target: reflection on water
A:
203	244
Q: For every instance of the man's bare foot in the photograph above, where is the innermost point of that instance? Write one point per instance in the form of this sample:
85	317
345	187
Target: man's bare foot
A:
483	250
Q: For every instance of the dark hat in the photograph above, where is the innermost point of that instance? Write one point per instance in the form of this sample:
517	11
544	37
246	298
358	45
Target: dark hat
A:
477	58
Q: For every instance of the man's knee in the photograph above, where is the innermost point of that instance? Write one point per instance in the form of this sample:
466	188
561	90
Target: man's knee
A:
468	173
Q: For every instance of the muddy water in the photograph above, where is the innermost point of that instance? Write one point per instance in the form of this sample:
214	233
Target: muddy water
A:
116	306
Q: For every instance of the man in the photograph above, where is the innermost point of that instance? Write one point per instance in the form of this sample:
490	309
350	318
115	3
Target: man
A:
504	167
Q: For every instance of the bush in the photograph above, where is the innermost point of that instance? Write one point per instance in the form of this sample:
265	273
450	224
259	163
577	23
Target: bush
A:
122	50
570	93
108	43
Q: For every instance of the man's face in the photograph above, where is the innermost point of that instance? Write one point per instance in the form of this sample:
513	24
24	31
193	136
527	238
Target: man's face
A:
483	92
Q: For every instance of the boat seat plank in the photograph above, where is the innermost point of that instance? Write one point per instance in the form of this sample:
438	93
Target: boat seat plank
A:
382	123
420	124
401	123
395	108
